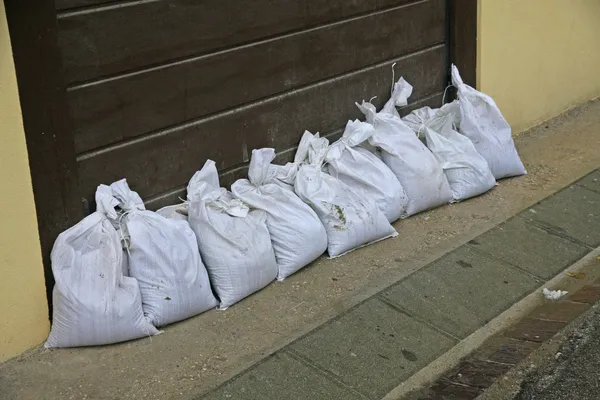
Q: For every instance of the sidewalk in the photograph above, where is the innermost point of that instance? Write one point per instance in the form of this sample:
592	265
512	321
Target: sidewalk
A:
545	332
357	326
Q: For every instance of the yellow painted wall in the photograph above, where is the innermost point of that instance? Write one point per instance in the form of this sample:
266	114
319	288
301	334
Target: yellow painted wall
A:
537	58
23	307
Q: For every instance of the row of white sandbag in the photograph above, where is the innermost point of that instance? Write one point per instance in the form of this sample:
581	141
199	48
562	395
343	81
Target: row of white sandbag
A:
351	192
95	303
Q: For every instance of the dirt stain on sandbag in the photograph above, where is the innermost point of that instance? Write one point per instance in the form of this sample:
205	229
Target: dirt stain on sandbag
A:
464	264
338	212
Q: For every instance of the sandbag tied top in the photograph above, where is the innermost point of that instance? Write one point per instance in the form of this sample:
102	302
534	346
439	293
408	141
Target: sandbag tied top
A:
234	241
401	91
164	258
483	123
94	304
285	175
467	171
364	172
297	234
417	169
350	220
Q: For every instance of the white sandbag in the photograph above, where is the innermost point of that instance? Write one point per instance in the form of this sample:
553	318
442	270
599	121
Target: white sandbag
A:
285	175
364	172
164	258
421	115
177	212
234	242
483	123
350	220
417	169
297	234
467	171
93	303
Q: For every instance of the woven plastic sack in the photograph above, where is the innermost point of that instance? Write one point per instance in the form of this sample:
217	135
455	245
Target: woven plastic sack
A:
483	123
177	212
93	303
234	242
164	258
350	220
417	169
467	171
297	234
364	172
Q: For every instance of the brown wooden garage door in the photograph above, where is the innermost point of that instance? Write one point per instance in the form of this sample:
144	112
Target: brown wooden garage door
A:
157	87
149	89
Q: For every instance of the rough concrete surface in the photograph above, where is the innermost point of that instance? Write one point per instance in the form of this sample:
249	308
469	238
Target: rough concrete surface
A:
563	214
461	291
284	376
195	356
505	242
373	346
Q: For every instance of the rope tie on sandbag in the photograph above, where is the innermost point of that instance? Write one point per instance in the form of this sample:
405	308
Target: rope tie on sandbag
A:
125	239
422	127
185	205
445	92
393	86
393	79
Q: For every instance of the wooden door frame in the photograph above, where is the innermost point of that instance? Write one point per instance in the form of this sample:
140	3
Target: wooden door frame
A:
48	133
48	130
462	37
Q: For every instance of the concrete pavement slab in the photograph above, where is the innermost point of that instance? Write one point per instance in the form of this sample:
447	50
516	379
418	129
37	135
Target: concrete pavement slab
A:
573	212
282	377
461	291
529	247
373	348
591	181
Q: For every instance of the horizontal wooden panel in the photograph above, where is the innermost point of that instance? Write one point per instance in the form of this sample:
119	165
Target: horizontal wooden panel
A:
227	177
165	161
116	39
64	4
118	109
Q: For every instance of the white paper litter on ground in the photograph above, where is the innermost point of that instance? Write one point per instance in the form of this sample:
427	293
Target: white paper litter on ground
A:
164	258
93	303
297	234
467	171
234	242
554	294
483	123
350	220
417	169
364	172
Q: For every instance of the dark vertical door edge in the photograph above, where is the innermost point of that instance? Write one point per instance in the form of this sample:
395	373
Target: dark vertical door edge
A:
32	26
463	38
